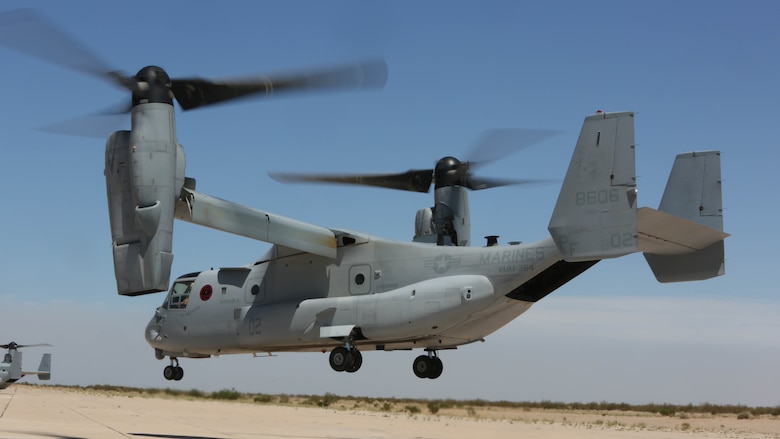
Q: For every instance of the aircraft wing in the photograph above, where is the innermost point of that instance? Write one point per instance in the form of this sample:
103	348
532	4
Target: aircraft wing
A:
227	216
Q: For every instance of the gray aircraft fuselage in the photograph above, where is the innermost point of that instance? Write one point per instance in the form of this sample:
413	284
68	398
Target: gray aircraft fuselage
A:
400	295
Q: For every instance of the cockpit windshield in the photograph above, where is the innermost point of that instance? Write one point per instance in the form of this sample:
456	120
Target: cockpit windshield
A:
179	295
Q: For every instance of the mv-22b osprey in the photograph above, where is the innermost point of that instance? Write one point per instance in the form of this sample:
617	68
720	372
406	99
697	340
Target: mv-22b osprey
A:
11	366
320	289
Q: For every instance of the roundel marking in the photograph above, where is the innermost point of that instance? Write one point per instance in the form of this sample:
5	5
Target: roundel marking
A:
205	292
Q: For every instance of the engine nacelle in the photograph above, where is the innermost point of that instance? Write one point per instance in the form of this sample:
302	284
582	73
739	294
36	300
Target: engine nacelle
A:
144	175
447	222
423	226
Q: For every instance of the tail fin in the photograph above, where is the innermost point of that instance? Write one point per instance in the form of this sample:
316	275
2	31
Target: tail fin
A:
595	215
44	369
683	239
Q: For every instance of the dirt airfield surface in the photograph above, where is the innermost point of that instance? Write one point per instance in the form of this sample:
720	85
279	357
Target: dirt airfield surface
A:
71	413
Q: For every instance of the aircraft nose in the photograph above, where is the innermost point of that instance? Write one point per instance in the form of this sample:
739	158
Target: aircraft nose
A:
153	334
153	331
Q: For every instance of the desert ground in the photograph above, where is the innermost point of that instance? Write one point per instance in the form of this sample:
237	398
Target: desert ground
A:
28	411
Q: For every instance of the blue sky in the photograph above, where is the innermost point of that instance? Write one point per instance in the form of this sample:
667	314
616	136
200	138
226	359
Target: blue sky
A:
699	75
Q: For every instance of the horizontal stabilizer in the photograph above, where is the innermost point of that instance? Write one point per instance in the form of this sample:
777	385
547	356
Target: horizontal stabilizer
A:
661	233
683	239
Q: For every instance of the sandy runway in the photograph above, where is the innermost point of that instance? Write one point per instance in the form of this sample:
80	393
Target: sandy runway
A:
42	412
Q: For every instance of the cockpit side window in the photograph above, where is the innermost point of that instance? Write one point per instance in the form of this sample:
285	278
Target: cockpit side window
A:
179	295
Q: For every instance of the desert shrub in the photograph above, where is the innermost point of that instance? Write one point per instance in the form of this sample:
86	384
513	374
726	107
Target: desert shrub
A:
263	398
195	393
433	407
448	403
412	409
324	401
225	394
329	398
745	415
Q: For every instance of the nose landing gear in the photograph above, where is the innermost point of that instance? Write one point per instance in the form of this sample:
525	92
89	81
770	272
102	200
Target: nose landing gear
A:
174	371
428	366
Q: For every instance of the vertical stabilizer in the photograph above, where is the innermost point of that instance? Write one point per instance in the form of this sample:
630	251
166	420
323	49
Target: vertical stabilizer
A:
44	369
693	193
595	216
15	370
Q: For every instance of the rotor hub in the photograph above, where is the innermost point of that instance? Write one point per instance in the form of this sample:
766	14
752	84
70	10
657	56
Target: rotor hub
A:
152	85
449	172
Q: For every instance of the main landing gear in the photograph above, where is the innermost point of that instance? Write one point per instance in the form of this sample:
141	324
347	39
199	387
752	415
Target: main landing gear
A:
349	359
172	372
346	359
428	366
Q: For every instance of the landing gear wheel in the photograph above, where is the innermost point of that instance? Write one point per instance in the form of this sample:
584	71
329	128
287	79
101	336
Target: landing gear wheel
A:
357	361
422	366
426	366
438	368
173	372
169	372
340	359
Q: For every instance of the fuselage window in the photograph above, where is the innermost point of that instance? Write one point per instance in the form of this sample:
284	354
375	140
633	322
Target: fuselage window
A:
179	295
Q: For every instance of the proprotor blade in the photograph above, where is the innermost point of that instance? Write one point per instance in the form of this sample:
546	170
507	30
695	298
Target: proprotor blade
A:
479	183
413	180
449	171
197	92
496	144
26	31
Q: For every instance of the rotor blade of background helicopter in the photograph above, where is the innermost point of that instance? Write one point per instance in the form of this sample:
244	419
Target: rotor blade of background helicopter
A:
413	180
16	346
28	32
197	92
